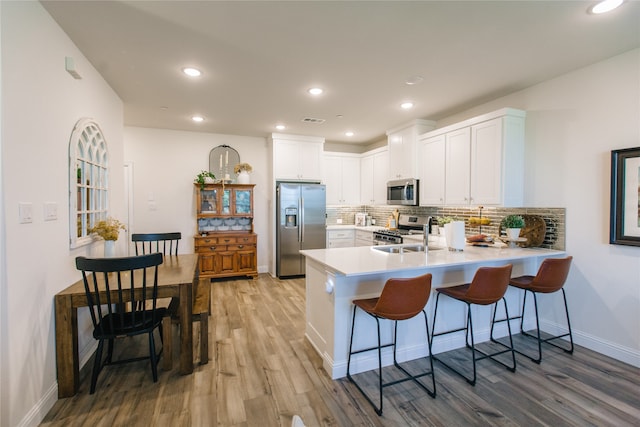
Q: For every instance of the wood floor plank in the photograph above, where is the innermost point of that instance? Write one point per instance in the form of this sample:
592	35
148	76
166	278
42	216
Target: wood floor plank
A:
262	371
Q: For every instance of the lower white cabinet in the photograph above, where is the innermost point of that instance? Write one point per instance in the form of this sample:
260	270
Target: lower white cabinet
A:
364	238
343	238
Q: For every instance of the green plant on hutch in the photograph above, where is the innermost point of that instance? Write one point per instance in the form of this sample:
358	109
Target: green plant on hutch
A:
201	178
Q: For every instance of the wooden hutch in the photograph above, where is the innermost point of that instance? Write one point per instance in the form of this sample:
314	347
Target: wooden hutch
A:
225	241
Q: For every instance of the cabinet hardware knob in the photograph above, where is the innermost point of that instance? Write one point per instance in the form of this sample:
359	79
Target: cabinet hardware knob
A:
213	248
240	246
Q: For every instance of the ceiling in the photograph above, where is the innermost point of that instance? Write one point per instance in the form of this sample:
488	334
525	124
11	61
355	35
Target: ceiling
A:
259	58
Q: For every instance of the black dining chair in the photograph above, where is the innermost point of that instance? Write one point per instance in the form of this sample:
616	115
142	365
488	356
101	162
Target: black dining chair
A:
114	288
147	243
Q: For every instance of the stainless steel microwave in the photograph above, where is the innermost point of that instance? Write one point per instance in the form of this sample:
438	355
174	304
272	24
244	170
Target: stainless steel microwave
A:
403	192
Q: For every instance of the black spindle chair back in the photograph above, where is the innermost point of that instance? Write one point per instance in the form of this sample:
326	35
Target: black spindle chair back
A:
147	243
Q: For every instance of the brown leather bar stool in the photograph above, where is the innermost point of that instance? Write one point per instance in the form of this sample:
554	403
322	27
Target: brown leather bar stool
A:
401	299
550	278
488	286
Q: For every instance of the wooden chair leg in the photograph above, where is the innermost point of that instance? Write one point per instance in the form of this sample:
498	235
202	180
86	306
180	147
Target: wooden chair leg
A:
204	338
167	344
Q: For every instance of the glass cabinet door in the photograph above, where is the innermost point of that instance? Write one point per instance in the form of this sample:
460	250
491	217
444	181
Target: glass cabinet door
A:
243	202
209	201
226	202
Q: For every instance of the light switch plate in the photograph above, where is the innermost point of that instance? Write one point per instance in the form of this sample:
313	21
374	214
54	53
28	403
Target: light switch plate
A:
25	212
50	211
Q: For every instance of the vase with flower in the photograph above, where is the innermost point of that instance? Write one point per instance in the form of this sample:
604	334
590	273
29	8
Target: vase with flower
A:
243	170
108	229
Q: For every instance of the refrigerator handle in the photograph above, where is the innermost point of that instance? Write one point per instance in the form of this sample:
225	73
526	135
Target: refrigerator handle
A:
301	225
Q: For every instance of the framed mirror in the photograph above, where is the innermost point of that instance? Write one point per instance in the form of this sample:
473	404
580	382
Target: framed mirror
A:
222	160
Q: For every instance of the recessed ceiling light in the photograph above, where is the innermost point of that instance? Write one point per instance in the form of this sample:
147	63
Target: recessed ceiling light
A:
414	80
192	72
605	6
406	105
281	127
349	133
197	119
315	91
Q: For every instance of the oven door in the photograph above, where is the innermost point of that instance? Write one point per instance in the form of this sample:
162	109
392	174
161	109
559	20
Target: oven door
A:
383	239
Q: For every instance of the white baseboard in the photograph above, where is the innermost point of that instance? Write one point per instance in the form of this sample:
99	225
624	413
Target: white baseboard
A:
37	413
597	344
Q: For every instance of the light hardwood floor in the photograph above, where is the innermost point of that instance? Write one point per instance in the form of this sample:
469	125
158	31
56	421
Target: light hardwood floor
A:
262	371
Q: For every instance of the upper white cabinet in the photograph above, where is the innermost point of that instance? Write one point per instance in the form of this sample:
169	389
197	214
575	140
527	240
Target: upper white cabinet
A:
401	143
483	161
457	172
431	170
374	166
342	178
297	157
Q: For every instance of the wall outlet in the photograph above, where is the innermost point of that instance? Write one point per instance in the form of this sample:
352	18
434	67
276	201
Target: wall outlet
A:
339	221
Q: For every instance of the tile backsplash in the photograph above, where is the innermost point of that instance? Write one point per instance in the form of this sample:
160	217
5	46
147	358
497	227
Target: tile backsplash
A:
554	218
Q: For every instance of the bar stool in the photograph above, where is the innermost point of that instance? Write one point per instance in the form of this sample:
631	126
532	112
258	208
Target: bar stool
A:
550	278
488	286
401	299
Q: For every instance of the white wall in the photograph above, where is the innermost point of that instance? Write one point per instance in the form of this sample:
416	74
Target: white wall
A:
41	103
165	163
573	123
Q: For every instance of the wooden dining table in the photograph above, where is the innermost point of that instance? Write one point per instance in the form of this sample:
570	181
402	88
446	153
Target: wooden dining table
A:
177	278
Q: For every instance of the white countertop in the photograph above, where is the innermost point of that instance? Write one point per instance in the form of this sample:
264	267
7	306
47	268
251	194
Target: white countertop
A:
354	227
366	260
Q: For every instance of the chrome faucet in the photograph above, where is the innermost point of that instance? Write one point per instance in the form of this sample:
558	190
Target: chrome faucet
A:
426	228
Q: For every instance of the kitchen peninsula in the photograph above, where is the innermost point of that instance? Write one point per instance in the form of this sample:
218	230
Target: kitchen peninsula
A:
335	277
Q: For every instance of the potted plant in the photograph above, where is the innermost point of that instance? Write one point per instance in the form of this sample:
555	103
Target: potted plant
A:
442	220
108	229
204	177
243	170
513	224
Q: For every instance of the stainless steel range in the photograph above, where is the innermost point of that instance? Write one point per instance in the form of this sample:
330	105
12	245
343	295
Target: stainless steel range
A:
407	224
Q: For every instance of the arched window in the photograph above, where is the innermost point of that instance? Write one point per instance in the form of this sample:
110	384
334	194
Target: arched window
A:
88	180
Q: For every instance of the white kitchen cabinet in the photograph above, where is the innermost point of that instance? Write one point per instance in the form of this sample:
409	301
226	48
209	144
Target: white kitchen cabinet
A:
364	238
374	166
297	157
401	143
340	238
342	178
431	170
457	166
484	161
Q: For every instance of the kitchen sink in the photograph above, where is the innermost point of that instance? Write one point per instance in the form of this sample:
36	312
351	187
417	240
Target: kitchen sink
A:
402	249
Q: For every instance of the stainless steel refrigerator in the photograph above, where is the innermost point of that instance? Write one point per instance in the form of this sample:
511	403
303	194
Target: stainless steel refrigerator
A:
301	224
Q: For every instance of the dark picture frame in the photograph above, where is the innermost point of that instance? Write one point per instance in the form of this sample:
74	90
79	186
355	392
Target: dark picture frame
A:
625	197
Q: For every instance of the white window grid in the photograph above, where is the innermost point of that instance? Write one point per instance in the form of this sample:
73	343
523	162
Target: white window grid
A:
88	180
